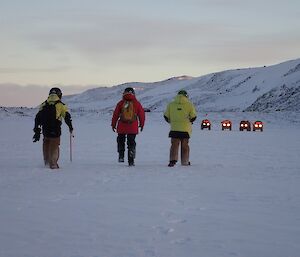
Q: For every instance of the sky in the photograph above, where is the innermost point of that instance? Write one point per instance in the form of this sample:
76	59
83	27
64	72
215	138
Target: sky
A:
104	43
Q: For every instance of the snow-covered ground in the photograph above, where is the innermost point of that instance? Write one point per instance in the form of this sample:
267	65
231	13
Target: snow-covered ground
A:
240	197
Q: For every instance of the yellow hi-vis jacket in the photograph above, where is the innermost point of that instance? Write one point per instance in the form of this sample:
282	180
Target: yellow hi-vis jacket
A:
61	108
179	113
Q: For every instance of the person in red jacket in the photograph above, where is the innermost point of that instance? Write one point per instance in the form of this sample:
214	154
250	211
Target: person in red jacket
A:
127	118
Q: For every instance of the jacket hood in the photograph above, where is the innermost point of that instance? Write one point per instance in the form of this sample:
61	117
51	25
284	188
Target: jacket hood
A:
181	99
129	97
53	98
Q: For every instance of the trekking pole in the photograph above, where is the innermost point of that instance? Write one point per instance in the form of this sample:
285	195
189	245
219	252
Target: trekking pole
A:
71	157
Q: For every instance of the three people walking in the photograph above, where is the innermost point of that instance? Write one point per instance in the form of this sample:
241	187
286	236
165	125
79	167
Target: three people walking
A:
128	117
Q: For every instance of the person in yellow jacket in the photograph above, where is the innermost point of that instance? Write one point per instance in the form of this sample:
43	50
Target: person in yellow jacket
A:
49	118
180	113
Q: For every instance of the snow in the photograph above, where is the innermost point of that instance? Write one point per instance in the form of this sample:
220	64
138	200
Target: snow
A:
240	197
231	90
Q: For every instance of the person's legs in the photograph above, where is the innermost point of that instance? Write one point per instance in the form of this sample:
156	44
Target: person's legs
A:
131	145
54	152
121	146
185	151
46	152
174	151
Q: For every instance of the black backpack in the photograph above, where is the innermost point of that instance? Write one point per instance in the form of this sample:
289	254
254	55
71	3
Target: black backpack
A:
51	125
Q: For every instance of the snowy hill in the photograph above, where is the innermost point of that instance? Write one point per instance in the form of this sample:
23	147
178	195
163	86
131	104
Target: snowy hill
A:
262	89
254	89
281	98
15	111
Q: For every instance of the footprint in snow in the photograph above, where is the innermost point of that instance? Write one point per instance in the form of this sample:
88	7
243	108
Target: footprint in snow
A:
181	241
177	221
163	230
150	253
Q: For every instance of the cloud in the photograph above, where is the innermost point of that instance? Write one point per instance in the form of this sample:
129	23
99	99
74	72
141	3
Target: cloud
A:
111	38
113	42
33	70
119	39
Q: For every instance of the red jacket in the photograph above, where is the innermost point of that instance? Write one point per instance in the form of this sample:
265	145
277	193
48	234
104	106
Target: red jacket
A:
128	128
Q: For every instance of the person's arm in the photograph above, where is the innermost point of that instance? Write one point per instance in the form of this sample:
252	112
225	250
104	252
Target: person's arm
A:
193	114
115	116
37	125
167	114
68	120
141	116
67	116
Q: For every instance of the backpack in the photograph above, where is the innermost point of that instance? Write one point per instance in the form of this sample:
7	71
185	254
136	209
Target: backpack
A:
50	124
127	114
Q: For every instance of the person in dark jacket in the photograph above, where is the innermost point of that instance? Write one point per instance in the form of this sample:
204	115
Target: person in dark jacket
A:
49	118
128	116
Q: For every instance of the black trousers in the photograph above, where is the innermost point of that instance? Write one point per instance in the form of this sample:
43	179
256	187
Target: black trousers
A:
131	144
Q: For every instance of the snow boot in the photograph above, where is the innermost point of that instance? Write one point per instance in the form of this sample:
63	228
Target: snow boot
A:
172	163
131	163
54	166
121	157
131	156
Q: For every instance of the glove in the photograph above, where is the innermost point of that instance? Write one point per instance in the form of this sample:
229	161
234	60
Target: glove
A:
113	129
166	119
192	119
37	135
141	128
71	132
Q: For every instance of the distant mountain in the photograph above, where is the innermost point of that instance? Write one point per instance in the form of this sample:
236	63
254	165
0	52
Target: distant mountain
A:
260	89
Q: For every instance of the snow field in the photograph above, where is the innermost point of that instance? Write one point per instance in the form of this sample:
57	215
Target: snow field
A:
240	197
